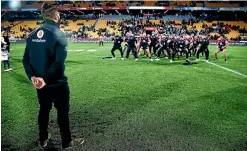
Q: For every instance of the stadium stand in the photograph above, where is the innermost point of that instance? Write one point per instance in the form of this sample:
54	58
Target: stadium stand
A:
23	28
67	4
99	24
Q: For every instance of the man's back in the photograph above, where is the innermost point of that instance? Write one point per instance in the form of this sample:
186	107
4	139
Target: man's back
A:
45	53
43	61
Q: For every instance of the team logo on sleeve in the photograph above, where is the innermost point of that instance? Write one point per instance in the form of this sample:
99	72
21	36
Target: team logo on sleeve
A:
40	34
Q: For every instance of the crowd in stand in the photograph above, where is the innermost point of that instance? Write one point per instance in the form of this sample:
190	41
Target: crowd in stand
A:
169	3
135	24
140	3
170	27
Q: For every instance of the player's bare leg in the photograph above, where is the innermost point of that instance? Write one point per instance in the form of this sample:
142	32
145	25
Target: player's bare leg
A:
139	52
187	55
216	54
148	54
125	48
225	55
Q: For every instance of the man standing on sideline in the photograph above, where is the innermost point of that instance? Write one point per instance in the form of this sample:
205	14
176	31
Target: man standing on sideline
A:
43	60
101	40
6	39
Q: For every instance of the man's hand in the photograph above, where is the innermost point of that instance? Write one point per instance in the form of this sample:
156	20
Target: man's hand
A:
43	84
38	82
35	82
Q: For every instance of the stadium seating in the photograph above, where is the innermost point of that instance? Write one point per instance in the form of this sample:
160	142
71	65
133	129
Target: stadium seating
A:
73	25
102	23
215	4
18	25
115	17
221	4
149	3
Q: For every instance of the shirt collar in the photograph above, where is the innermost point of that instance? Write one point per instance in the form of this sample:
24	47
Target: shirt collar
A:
52	22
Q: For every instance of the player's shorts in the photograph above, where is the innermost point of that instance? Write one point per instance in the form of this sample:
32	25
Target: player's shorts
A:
116	47
203	48
181	49
131	48
187	46
162	48
144	47
195	46
171	47
221	48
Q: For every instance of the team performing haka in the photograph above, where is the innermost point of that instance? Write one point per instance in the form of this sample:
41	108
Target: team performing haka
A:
170	46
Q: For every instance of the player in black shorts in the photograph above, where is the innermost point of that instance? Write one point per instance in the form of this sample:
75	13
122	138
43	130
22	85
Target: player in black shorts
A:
187	43
203	47
145	41
164	47
132	47
221	47
171	43
125	44
153	43
117	45
195	43
180	47
126	38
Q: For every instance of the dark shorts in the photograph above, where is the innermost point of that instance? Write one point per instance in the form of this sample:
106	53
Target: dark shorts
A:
221	48
181	49
144	47
163	48
195	46
117	47
129	46
203	48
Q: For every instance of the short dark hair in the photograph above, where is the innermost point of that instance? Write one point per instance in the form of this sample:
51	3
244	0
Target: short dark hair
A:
47	10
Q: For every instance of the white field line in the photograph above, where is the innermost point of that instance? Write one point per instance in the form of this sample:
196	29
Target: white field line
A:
237	59
227	69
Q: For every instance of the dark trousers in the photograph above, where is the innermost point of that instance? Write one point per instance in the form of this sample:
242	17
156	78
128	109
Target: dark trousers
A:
101	43
194	51
115	48
161	49
201	50
183	51
154	48
190	51
6	64
59	95
133	49
8	48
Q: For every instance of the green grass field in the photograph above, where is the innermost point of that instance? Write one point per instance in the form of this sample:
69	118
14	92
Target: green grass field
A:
137	106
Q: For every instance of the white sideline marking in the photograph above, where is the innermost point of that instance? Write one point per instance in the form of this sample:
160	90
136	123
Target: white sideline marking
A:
230	70
75	50
91	50
237	59
78	50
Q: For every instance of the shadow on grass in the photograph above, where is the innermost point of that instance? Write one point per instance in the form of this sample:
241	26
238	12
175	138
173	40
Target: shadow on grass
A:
20	78
96	119
16	59
70	63
108	111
